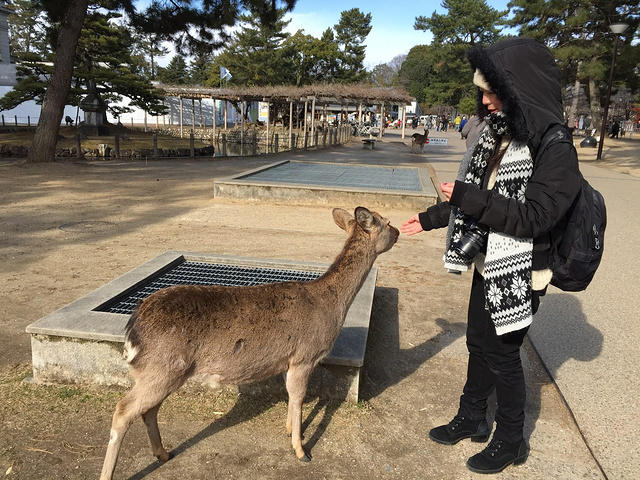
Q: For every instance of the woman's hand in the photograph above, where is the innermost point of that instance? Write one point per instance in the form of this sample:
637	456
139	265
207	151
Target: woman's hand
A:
411	226
447	189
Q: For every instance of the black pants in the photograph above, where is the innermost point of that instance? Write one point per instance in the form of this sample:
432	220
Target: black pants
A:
494	364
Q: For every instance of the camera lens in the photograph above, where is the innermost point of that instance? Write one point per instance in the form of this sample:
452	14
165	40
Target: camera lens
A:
472	242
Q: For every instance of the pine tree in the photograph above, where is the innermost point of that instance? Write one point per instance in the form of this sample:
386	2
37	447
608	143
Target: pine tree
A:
351	32
255	56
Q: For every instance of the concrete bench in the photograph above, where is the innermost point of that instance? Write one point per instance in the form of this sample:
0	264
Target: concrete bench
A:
369	143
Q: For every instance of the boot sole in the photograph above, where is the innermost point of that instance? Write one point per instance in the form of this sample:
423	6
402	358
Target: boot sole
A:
517	461
474	438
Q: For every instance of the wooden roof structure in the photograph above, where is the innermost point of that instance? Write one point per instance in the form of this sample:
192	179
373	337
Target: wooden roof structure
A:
323	93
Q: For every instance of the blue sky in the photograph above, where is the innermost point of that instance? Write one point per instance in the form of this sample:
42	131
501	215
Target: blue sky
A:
392	30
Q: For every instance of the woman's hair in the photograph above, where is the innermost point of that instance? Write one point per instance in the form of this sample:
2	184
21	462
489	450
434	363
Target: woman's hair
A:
494	160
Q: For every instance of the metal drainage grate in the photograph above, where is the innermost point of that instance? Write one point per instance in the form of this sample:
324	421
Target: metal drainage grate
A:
202	273
387	178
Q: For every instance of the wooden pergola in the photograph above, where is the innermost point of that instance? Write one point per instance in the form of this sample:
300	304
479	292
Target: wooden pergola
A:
346	96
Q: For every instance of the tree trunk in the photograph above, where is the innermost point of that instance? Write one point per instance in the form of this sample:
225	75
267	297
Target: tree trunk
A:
46	134
596	109
573	109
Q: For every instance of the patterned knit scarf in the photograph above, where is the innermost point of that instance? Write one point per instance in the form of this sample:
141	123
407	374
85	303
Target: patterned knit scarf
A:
508	261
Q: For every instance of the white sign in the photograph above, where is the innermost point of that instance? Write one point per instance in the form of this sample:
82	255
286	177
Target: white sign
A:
439	141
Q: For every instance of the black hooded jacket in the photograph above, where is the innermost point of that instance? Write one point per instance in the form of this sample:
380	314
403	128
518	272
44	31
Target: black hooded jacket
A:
523	74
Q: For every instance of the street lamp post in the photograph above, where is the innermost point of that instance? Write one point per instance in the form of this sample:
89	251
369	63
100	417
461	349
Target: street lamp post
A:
617	29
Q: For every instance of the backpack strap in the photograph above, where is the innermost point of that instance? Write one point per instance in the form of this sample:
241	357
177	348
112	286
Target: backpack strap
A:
556	134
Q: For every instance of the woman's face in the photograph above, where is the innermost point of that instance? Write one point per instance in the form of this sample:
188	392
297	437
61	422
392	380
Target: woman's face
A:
490	100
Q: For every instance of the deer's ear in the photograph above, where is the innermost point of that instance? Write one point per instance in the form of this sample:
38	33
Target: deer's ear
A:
365	219
342	218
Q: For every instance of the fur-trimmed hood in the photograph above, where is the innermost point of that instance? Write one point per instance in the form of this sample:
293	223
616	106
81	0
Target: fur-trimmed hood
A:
523	74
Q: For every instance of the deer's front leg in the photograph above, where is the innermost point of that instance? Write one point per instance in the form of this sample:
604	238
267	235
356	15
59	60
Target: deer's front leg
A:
297	379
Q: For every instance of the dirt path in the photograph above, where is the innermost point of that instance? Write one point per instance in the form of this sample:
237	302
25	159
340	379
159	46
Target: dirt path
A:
68	228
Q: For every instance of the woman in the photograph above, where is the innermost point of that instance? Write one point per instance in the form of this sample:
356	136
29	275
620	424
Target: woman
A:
507	206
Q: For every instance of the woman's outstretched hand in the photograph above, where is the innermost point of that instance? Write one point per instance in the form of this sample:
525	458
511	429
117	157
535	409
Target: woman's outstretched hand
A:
411	226
447	189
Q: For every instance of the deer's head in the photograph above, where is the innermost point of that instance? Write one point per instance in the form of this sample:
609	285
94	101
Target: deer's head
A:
377	227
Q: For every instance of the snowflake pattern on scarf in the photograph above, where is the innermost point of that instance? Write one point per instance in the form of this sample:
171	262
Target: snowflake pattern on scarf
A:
508	261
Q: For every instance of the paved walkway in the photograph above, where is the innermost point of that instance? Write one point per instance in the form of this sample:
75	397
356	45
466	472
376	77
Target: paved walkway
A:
590	341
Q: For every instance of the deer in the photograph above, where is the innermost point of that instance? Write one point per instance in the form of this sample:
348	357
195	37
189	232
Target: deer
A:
419	140
237	335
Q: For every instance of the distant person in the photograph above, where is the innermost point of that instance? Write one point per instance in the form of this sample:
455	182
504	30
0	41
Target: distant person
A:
508	200
456	123
581	123
615	129
471	129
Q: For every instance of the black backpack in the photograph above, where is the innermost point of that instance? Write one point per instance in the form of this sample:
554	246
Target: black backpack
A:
577	250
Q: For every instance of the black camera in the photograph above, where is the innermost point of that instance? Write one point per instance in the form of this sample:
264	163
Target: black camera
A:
472	241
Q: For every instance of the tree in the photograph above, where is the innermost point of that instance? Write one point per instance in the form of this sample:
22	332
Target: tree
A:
175	73
386	74
200	23
303	53
417	71
351	32
150	45
201	67
103	70
578	33
27	27
255	54
467	23
382	75
46	134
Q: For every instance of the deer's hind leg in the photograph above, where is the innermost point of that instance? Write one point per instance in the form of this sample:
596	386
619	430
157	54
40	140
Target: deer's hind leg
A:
142	400
297	380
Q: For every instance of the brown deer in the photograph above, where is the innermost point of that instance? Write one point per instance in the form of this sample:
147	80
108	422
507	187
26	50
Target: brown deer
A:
237	335
419	140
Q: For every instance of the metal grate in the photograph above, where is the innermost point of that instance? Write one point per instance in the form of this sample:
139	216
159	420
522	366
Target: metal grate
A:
386	178
202	273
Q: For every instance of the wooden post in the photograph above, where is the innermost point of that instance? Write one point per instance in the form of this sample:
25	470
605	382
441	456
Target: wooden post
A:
193	114
254	141
313	118
290	123
192	146
268	112
306	139
145	120
155	145
241	126
404	119
304	122
293	141
78	146
181	113
213	140
117	142
224	144
275	144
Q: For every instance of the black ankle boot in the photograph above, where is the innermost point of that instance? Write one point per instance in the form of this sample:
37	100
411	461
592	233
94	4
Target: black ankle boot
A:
459	428
498	455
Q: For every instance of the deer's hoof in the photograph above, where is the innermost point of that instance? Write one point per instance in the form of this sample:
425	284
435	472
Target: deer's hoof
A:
306	458
164	456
